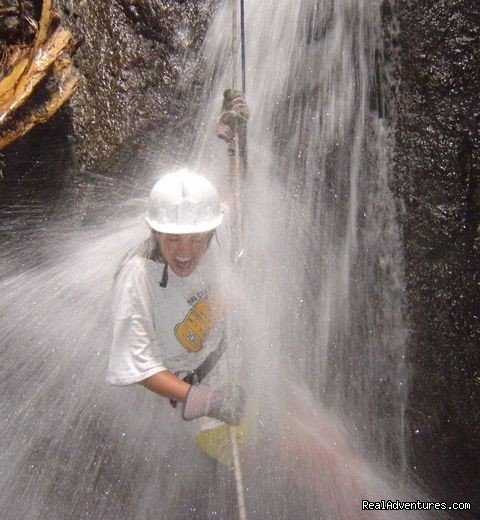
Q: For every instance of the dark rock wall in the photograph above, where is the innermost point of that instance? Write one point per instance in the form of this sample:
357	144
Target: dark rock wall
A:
437	179
139	71
132	61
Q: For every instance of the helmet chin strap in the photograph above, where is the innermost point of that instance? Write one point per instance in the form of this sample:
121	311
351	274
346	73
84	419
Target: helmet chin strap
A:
164	280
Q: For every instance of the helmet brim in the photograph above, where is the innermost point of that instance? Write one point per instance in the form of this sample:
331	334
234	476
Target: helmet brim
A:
184	229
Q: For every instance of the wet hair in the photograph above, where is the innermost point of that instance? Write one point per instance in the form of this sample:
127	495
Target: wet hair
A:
151	250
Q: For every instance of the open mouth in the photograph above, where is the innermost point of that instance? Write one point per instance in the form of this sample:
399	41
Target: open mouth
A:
183	264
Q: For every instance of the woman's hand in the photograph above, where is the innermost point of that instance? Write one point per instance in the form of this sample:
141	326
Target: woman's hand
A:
226	406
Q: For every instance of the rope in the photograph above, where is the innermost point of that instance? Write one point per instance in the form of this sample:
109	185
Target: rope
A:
233	49
234	44
237	468
242	34
234	116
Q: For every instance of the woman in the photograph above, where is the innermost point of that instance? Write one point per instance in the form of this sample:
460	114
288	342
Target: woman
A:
164	323
164	328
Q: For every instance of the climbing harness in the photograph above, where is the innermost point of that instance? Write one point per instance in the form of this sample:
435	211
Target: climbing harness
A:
201	372
195	377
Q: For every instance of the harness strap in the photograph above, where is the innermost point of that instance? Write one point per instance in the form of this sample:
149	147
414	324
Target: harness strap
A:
164	281
195	377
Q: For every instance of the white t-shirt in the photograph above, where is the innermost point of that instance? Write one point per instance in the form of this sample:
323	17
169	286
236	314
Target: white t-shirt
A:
155	328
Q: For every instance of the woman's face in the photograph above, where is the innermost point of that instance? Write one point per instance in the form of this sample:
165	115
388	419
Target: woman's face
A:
183	252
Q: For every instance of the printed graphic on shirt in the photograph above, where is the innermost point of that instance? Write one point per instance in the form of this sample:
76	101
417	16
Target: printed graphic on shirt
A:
201	295
198	323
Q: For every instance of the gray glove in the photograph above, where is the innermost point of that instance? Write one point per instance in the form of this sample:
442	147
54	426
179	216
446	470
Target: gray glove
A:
204	401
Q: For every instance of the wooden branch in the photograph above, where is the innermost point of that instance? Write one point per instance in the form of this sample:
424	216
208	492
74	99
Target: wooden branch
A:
67	79
10	84
44	58
44	26
7	85
50	53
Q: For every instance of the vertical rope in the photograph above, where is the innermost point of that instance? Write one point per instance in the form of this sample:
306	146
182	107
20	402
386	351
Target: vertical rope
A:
234	45
235	169
242	132
242	35
236	179
242	509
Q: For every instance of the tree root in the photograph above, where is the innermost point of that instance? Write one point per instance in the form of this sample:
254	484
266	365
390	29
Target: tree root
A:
40	78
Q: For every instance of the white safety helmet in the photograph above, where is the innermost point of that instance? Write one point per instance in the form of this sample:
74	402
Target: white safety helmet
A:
183	202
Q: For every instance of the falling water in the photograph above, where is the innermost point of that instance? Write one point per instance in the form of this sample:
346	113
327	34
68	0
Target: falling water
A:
323	241
319	309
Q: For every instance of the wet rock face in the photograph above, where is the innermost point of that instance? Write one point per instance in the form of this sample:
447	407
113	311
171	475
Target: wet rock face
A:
133	65
437	177
139	73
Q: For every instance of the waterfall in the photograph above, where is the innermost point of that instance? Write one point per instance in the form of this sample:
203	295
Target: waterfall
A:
323	236
320	304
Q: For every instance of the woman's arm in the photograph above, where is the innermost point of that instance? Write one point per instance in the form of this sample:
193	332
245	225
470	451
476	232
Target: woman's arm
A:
199	400
168	385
